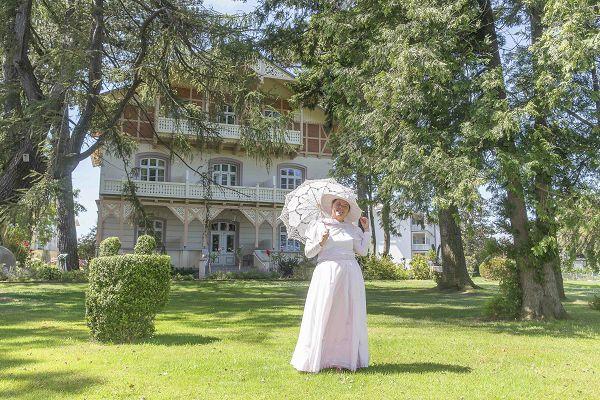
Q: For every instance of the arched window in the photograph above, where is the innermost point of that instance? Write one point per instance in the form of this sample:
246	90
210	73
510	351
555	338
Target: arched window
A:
290	176
226	172
153	167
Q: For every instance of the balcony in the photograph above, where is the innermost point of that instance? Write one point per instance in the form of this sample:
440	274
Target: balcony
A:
225	131
177	190
421	247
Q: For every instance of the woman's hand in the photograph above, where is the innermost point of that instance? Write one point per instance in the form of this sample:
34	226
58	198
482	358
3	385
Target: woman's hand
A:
324	238
364	223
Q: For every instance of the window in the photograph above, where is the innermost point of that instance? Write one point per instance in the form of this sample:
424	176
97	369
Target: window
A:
225	174
290	177
157	230
271	113
227	116
286	244
420	238
153	169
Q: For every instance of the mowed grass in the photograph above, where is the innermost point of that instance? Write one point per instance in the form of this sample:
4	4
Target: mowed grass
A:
234	340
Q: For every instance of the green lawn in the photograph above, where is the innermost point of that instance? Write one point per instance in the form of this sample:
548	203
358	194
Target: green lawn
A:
230	340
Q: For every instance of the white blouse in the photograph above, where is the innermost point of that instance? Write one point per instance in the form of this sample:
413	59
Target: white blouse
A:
344	240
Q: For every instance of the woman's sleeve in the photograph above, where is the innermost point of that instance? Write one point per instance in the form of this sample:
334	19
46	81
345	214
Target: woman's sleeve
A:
361	241
312	247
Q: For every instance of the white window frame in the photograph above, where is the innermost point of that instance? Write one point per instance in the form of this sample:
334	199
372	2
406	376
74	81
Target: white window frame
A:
425	236
231	177
145	170
290	181
227	115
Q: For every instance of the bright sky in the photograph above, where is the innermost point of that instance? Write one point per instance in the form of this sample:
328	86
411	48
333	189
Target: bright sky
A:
87	178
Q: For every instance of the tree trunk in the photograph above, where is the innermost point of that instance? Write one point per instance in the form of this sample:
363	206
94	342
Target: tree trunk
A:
385	222
536	301
67	232
371	214
454	267
545	210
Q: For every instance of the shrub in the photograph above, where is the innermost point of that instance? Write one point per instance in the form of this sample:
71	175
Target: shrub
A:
304	270
251	274
77	275
595	303
507	303
146	244
109	247
382	268
45	272
183	277
124	295
494	268
286	266
419	267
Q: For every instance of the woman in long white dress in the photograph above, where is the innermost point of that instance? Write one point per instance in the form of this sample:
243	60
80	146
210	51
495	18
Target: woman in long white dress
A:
333	333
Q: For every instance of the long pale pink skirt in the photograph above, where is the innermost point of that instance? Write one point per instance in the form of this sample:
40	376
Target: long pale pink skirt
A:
333	332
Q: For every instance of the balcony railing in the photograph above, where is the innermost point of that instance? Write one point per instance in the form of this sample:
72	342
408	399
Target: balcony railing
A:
225	131
421	247
193	191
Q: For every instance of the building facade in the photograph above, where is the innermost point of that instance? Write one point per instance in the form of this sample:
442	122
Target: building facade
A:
241	212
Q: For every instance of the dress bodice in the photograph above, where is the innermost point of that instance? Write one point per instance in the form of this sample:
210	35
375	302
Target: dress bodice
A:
344	240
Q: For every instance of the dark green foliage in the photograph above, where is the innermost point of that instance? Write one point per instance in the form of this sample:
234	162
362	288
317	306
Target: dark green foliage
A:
125	294
419	267
146	244
595	303
507	303
252	274
109	247
286	267
382	268
86	245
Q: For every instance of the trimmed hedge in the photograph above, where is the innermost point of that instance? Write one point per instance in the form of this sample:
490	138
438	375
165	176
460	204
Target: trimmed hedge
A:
109	247
124	295
146	244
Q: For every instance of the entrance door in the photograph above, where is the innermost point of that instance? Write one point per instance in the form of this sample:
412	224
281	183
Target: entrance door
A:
223	243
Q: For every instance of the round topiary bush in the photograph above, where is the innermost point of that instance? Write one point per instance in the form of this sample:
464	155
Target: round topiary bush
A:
124	295
109	247
419	267
495	268
146	244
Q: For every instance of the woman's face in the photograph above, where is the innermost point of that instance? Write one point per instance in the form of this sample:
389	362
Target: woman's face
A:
340	209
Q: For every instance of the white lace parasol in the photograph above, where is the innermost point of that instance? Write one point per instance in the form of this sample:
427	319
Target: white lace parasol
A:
302	205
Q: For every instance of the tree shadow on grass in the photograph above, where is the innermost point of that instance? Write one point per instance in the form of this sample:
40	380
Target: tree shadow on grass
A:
413	368
41	384
181	339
